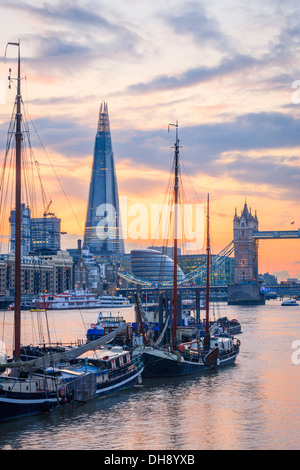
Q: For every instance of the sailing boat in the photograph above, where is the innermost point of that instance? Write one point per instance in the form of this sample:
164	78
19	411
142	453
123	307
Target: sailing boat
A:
201	353
42	384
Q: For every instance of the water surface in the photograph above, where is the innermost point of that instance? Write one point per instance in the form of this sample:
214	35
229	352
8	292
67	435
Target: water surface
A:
253	404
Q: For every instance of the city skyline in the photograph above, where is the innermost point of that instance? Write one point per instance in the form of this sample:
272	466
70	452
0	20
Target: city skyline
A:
227	73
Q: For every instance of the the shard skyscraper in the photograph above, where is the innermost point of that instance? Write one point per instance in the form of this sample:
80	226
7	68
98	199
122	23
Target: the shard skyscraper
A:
103	234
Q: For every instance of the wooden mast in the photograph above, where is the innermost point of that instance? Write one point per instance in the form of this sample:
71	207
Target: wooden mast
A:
207	336
18	218
176	187
18	137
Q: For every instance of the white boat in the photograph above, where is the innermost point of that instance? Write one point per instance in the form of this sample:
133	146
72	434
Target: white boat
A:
113	301
289	303
68	300
78	300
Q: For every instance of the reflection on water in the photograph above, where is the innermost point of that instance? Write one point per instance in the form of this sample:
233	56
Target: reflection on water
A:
253	404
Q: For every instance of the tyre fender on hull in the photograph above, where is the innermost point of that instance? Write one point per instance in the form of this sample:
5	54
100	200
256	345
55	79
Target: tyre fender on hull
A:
47	406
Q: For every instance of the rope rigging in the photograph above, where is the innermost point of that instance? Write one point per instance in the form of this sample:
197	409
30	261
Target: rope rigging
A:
38	202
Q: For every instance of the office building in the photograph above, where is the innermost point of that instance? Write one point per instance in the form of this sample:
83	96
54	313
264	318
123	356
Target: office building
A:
45	234
221	275
103	236
25	230
154	266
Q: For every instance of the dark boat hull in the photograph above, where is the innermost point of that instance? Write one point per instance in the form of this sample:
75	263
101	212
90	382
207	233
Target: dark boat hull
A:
166	367
119	383
18	405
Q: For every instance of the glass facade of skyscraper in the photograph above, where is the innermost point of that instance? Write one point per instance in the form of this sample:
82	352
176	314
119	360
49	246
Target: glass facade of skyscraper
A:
45	234
103	234
25	230
222	274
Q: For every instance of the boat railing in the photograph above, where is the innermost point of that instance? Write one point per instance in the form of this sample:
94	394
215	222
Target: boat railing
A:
78	342
111	319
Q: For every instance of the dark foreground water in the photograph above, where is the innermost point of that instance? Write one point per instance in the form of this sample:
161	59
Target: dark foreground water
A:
254	404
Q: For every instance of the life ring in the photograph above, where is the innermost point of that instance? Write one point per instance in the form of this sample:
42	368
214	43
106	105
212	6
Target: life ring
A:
103	325
182	348
105	358
63	391
93	325
238	342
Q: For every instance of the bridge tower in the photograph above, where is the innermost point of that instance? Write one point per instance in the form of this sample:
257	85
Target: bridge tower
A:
245	290
245	247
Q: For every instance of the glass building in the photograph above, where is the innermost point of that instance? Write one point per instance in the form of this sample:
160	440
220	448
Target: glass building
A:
37	234
103	234
222	274
25	230
45	234
152	265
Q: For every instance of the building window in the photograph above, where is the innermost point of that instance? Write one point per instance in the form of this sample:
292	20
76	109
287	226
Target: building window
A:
243	261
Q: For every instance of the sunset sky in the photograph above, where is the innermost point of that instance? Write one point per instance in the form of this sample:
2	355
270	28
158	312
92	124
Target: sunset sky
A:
229	72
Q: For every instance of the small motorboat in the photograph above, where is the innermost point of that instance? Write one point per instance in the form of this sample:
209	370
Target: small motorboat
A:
106	323
289	303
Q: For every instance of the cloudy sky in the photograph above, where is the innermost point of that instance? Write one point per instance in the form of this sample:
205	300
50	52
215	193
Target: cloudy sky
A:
227	71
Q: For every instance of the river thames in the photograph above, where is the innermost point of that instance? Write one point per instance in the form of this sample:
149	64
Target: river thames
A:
253	404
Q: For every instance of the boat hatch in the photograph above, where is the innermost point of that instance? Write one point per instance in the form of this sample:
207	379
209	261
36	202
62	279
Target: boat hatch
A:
117	349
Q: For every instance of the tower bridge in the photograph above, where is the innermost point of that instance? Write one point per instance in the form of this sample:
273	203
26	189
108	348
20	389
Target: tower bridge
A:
281	290
276	234
246	239
246	288
246	236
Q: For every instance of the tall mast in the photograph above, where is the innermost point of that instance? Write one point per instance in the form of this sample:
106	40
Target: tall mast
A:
207	339
176	187
18	137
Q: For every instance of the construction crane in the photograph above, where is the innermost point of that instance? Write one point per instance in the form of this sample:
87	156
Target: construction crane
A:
45	204
44	198
46	211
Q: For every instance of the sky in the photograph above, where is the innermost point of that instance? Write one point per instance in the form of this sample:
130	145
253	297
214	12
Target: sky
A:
228	72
